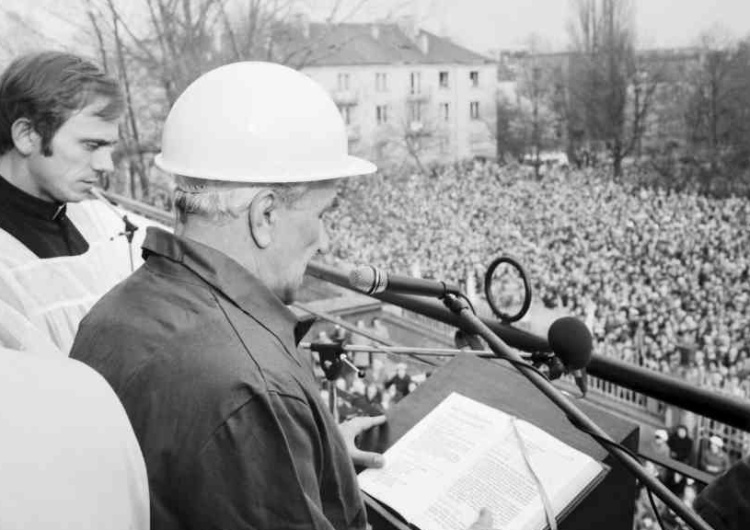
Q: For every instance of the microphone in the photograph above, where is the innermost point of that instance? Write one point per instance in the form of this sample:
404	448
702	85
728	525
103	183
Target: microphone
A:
371	280
572	343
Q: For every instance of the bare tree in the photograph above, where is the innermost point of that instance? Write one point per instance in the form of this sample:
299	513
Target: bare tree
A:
535	93
717	114
610	96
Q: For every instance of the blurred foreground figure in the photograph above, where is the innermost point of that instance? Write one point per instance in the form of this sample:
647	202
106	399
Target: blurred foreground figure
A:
69	457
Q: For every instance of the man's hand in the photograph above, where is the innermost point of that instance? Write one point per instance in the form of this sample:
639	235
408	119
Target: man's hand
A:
350	429
484	521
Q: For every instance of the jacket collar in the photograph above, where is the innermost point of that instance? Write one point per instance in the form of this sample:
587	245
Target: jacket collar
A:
229	277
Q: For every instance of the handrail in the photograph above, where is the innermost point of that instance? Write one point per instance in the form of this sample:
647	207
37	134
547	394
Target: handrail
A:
140	208
725	409
514	337
687	470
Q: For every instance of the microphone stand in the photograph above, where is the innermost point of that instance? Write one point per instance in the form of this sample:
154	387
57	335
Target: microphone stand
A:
333	359
576	416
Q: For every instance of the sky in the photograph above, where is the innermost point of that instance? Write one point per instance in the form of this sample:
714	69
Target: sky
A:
484	25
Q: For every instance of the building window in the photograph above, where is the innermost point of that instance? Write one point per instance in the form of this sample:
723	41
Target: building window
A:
443	79
474	78
474	110
444	145
346	113
343	81
415	111
381	82
381	114
415	83
445	111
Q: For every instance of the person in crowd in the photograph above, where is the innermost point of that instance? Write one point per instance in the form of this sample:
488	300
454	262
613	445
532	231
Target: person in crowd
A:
681	445
400	382
361	359
660	448
374	396
199	343
380	329
660	445
340	334
323	337
59	249
586	242
714	459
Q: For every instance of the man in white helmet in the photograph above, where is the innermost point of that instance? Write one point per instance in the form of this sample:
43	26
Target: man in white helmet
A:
199	344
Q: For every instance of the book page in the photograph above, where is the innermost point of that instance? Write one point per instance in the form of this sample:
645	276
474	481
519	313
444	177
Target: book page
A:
500	481
427	459
481	467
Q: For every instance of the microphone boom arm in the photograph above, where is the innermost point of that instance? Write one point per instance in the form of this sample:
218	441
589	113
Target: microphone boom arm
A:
575	415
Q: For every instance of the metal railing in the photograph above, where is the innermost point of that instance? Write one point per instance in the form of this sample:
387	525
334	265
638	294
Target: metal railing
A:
724	409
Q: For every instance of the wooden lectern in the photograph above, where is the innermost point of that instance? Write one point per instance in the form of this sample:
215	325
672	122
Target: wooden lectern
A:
611	504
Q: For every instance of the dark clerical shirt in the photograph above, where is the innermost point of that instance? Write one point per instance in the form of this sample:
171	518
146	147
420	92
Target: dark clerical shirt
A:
40	225
226	410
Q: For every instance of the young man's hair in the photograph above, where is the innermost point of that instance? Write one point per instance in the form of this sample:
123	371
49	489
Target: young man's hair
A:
47	88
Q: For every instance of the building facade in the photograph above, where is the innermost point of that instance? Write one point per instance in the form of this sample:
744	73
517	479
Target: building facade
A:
407	95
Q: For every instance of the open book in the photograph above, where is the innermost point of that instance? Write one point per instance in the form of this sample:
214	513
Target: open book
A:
465	455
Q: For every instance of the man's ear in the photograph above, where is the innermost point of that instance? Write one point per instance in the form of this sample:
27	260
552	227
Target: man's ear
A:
263	216
25	138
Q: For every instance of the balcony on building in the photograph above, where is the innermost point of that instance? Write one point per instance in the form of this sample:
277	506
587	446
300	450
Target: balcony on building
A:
421	94
345	97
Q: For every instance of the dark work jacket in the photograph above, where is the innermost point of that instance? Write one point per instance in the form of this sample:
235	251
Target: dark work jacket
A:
227	412
725	503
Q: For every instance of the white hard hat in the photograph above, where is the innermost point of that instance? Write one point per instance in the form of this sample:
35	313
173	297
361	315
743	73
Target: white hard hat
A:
661	434
257	122
715	440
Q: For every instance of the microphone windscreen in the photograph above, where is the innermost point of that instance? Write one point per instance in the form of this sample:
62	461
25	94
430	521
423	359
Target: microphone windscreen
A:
571	341
368	279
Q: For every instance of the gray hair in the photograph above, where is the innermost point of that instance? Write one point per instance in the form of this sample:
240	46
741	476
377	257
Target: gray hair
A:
221	201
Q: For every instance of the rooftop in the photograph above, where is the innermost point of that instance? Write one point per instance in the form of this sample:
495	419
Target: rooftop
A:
385	43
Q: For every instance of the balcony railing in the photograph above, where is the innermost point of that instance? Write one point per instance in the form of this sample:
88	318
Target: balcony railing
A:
345	97
421	94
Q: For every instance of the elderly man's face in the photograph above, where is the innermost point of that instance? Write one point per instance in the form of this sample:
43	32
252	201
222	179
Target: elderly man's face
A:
301	235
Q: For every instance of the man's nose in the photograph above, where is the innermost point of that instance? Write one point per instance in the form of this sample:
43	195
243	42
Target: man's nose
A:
102	160
324	247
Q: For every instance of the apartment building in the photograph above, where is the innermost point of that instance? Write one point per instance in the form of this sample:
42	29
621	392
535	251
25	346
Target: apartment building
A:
406	93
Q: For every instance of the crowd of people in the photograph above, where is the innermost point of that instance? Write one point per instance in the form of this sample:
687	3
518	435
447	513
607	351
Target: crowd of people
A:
661	277
383	379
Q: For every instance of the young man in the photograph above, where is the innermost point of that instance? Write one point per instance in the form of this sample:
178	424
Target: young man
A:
70	458
59	118
199	344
